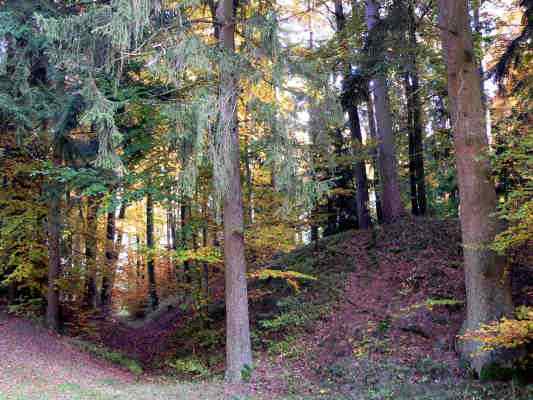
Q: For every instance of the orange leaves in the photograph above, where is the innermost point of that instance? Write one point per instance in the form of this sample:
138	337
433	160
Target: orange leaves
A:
291	277
506	333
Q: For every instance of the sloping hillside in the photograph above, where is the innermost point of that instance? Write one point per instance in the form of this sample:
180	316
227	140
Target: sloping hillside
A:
374	315
389	330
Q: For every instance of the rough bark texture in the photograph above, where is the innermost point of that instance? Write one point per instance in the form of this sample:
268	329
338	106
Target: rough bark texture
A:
391	202
150	267
487	281
238	343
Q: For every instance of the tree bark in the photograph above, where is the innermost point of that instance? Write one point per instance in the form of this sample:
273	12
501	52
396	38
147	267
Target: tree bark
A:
414	116
391	201
111	256
53	314
90	251
488	291
238	343
185	212
361	181
150	265
359	170
374	155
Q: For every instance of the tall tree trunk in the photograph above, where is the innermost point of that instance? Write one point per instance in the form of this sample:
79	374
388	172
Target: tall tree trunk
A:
349	105
111	257
344	215
150	265
90	251
53	314
414	114
488	291
238	343
374	155
362	197
391	201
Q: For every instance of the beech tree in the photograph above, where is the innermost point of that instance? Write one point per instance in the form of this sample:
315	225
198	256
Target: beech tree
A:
391	203
488	290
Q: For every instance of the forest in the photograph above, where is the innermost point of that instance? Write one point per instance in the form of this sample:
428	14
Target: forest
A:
266	199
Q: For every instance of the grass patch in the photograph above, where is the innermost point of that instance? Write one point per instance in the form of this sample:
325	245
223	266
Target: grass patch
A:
114	357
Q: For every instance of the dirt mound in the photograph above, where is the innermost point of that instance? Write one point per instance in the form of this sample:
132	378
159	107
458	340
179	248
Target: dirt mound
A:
404	298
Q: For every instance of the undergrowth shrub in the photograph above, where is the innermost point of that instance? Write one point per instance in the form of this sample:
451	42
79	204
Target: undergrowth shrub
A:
28	308
294	313
508	333
114	357
191	366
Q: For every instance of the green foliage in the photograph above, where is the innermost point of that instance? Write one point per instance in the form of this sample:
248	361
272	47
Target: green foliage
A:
114	357
294	314
513	158
291	277
27	308
246	372
287	347
23	251
430	304
190	366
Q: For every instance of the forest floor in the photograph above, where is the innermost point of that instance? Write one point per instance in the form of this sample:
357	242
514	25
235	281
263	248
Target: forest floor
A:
379	322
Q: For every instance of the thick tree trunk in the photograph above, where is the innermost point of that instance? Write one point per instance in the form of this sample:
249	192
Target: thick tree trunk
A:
488	291
53	315
391	202
90	251
150	265
238	343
